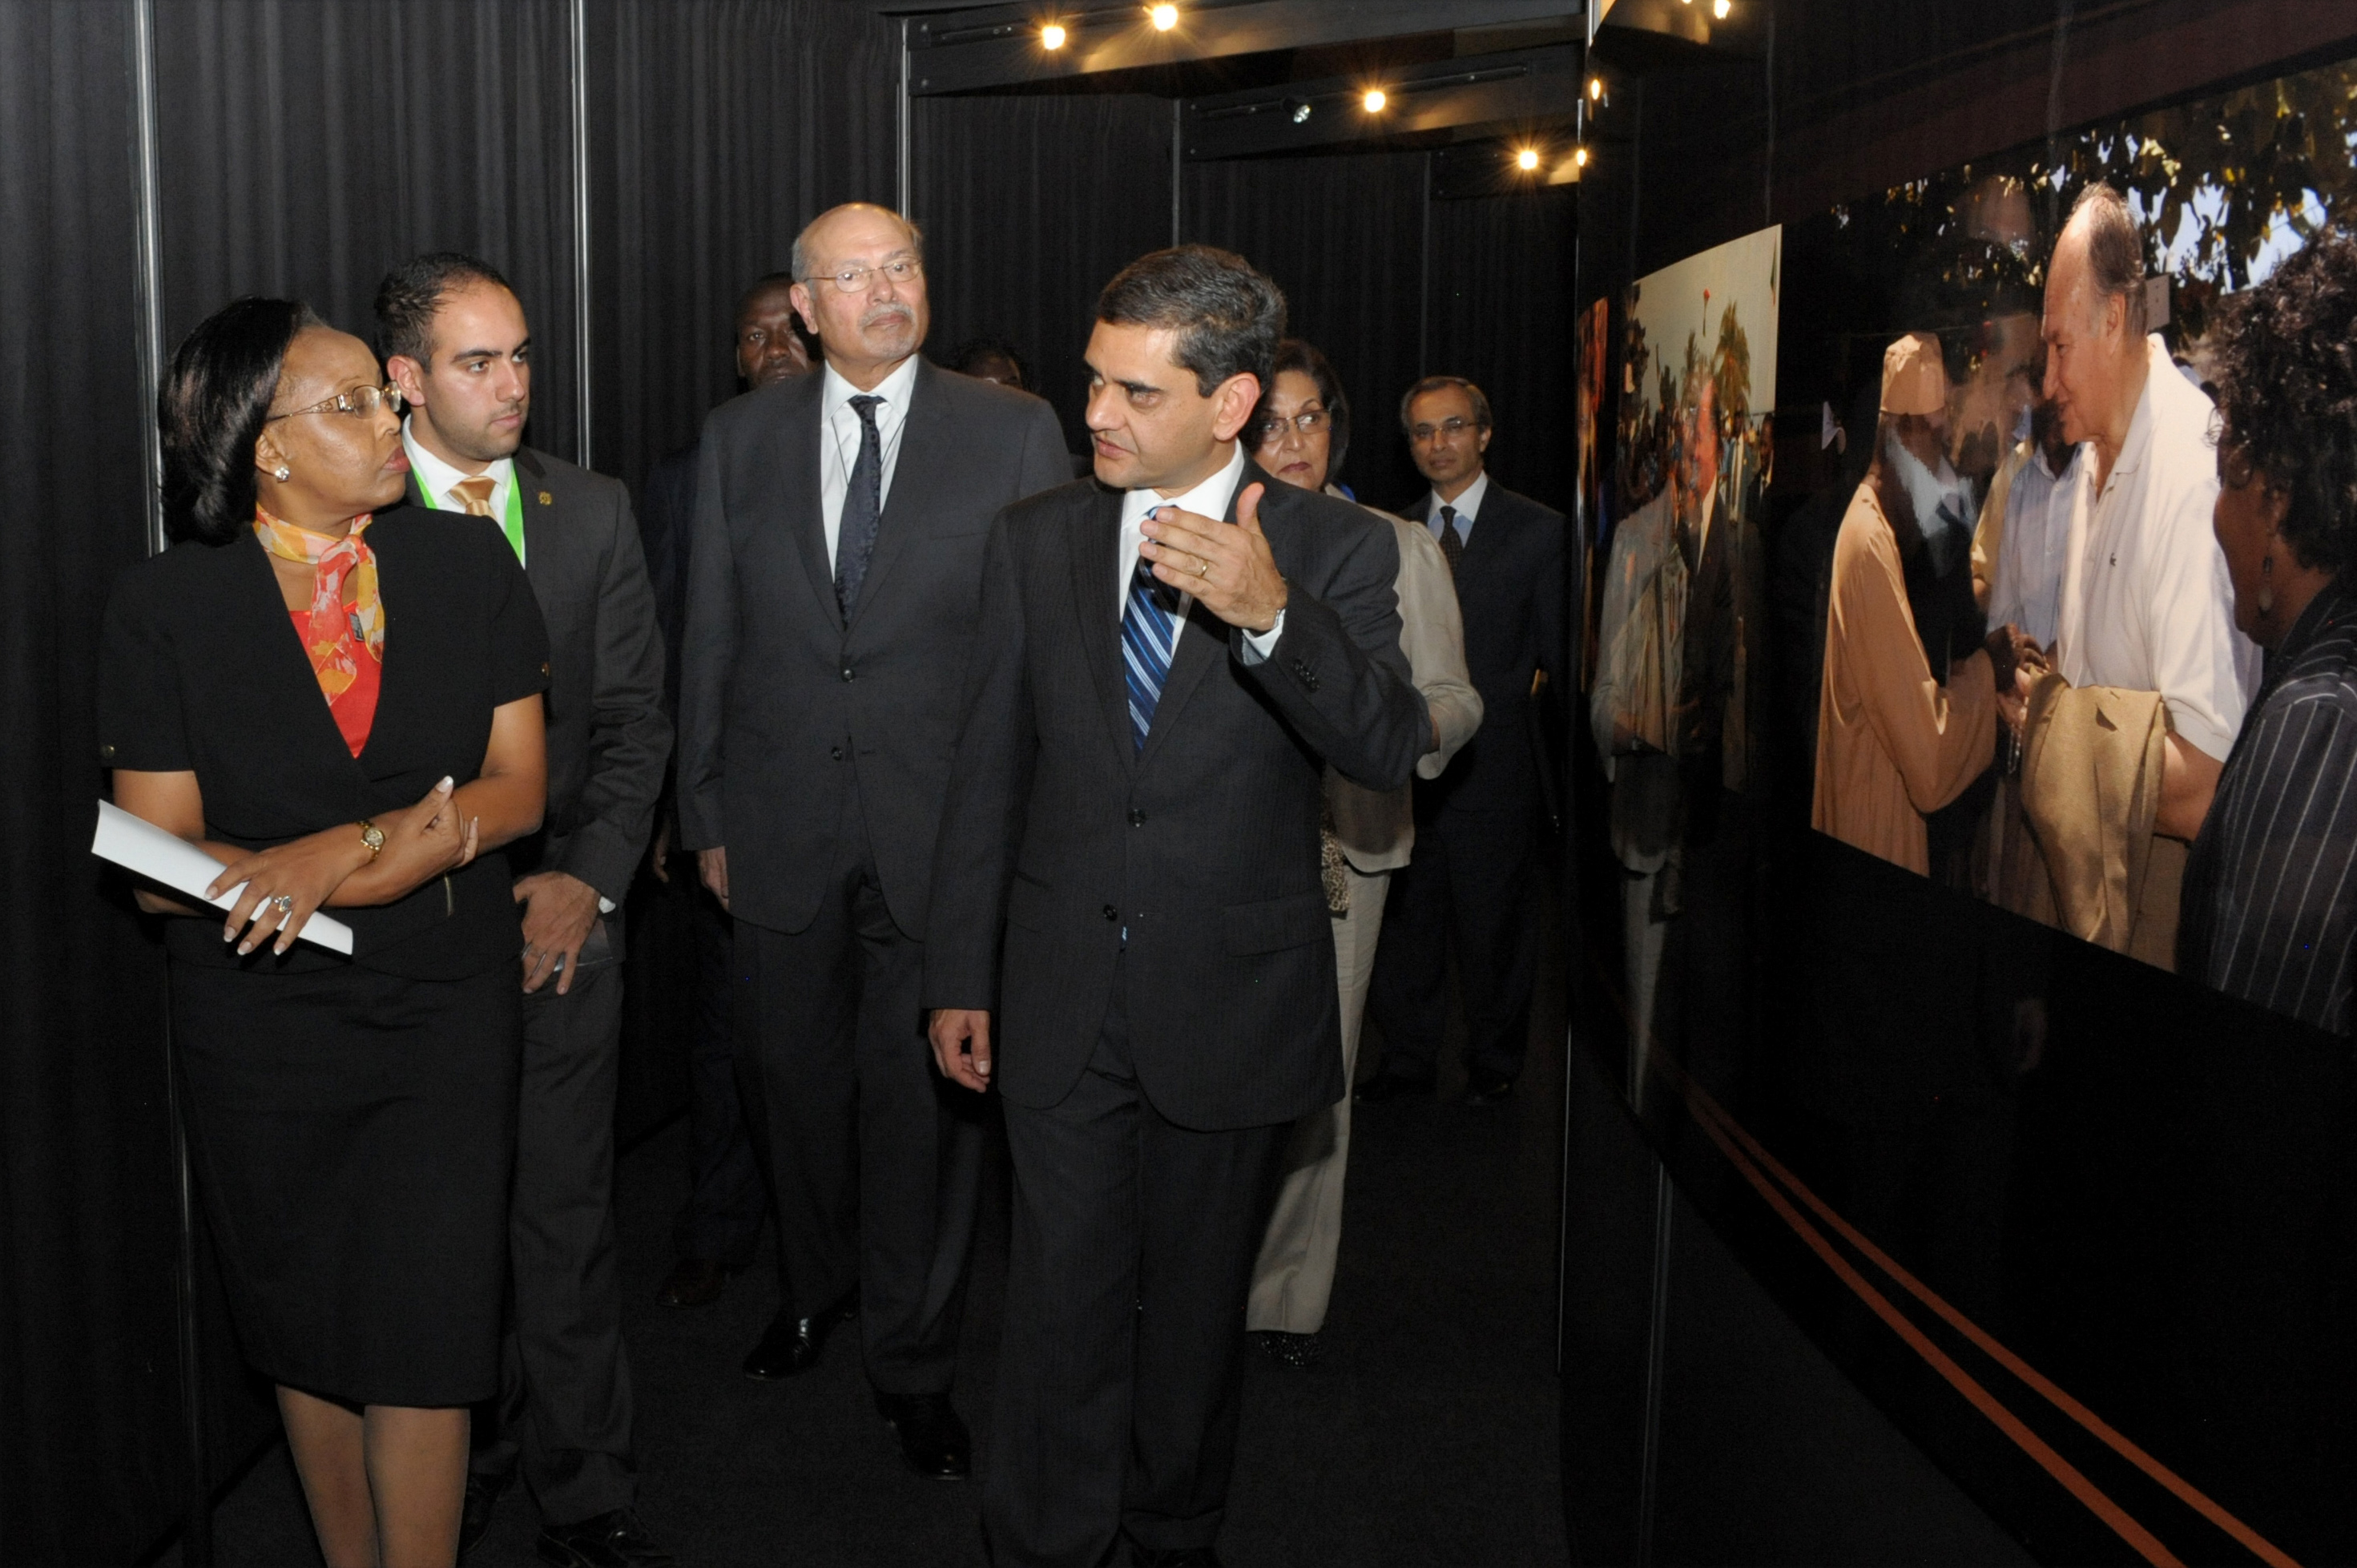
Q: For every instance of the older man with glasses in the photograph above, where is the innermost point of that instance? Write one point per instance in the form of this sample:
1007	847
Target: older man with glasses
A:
832	608
1476	825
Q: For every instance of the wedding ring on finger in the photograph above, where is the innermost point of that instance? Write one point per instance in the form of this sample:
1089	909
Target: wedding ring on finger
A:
1202	567
283	903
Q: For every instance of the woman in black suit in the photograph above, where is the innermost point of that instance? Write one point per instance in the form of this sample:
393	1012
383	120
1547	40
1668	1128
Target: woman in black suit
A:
341	704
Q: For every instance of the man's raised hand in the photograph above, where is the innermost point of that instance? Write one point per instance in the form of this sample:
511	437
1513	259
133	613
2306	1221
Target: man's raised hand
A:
1229	569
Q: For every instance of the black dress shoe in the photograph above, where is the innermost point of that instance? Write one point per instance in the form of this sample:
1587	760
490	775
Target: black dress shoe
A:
615	1540
1177	1557
475	1513
791	1345
1487	1089
694	1281
1392	1086
1299	1351
933	1440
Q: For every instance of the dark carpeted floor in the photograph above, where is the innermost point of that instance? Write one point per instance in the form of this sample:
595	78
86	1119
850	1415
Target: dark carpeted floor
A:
1428	1434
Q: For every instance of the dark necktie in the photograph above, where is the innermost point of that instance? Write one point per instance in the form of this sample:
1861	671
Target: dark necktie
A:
863	504
1451	545
1149	636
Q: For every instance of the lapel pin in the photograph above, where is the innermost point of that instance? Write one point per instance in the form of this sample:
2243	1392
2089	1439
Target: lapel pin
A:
547	500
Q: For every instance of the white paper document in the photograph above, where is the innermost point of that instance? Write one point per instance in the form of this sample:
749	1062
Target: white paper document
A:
139	845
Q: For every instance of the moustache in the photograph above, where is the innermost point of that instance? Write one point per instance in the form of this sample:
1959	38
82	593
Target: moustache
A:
884	312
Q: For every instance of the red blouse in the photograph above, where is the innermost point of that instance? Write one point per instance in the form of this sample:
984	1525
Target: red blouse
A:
355	711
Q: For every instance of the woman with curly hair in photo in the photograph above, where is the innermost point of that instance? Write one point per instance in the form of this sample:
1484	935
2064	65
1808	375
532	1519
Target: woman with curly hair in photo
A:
2270	904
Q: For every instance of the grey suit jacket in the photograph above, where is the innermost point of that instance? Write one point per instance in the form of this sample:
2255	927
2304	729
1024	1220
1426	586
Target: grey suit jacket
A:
608	736
783	703
1202	848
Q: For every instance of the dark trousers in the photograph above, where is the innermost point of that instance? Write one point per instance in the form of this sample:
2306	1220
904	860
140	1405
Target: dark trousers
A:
875	1166
727	1202
1120	1377
1468	884
564	1385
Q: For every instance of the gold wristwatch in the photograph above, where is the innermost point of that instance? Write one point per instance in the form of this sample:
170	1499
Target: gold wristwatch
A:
372	836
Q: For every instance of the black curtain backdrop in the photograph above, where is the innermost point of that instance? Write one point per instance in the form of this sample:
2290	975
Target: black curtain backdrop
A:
718	128
1028	206
1501	284
310	148
1344	236
89	1374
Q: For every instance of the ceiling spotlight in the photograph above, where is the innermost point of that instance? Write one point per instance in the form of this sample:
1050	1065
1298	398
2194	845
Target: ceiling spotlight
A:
1719	8
1595	90
1164	17
1300	111
1579	157
1527	159
1374	100
1051	36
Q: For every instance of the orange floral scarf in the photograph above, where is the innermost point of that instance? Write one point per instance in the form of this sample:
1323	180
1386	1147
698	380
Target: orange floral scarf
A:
338	630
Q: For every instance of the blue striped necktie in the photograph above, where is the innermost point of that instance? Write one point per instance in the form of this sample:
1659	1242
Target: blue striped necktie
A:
1149	635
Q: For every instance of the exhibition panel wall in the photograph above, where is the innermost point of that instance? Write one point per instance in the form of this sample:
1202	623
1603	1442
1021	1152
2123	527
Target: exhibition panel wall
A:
2078	1226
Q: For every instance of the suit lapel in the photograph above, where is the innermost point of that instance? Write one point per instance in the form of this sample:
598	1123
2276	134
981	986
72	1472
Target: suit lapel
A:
913	482
797	438
1203	641
1096	544
538	505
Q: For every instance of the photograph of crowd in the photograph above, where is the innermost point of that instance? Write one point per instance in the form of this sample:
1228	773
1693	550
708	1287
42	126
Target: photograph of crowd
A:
2083	470
1673	704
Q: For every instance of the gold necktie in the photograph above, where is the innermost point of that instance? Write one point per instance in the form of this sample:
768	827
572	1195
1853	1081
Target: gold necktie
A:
475	494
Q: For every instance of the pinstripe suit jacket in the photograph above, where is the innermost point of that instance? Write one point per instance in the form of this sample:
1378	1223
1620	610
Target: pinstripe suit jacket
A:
1202	848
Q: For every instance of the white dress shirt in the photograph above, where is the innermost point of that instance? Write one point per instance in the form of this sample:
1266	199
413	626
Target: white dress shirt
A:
435	478
2027	589
1209	500
839	435
2146	603
1468	505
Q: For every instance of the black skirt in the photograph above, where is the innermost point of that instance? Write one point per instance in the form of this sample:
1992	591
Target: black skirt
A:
353	1135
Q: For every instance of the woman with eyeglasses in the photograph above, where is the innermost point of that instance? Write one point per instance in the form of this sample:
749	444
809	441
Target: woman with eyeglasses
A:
337	696
1303	432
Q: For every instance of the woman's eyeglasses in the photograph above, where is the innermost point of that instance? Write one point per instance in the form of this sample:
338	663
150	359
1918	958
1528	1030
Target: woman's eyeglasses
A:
1310	422
360	403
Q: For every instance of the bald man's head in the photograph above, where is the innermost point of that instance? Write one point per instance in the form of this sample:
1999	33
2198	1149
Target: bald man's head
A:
860	288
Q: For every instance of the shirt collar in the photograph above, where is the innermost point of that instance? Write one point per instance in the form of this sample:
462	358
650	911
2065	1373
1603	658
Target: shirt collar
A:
2138	444
435	476
1469	504
836	394
1209	498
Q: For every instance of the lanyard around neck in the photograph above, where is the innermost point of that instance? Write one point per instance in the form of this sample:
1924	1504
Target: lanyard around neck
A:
512	525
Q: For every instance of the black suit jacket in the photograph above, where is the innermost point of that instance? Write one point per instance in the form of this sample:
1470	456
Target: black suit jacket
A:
782	702
1512	587
201	669
609	737
1203	847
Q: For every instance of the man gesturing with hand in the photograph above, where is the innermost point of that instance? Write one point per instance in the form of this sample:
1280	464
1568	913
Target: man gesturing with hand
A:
1167	658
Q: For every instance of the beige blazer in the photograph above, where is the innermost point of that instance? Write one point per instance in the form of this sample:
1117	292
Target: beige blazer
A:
1376	828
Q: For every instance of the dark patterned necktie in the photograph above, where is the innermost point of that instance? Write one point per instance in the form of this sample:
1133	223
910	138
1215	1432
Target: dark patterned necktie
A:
1149	637
863	504
1451	544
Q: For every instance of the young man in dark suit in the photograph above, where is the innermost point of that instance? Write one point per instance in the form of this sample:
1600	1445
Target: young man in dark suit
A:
720	1227
832	609
1169	656
1476	825
456	343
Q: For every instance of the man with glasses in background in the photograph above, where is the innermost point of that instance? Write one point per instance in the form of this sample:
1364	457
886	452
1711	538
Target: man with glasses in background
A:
1476	825
832	606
